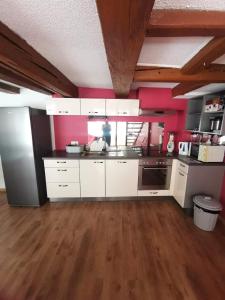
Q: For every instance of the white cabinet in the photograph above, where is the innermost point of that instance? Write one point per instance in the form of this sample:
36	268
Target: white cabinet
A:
121	178
63	190
179	181
180	187
93	107
122	107
63	106
92	178
62	178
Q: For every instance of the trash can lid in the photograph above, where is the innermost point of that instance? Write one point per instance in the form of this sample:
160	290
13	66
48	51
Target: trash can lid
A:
207	202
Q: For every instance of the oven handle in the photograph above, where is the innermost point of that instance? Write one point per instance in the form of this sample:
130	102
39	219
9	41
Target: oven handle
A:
145	168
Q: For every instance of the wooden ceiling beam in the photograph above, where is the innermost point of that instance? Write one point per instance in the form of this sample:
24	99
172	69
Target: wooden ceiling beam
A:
9	89
17	54
178	23
123	26
184	88
210	52
175	75
18	79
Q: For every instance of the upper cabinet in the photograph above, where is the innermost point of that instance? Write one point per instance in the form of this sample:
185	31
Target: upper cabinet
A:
122	107
92	107
63	106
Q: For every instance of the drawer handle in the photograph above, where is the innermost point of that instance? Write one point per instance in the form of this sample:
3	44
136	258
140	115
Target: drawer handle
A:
60	170
63	185
181	174
182	165
61	162
153	193
121	162
98	162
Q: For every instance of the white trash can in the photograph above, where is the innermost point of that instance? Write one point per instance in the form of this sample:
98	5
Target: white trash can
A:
206	211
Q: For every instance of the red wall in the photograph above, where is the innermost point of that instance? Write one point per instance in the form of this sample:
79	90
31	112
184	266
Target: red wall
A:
69	128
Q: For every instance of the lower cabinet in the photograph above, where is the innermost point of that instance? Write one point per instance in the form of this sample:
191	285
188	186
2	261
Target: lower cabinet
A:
92	178
180	187
188	181
63	190
121	177
62	178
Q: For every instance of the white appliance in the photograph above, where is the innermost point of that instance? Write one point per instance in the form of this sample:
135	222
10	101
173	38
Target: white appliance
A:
209	153
184	148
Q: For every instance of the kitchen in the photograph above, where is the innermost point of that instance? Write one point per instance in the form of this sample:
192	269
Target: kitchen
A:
139	162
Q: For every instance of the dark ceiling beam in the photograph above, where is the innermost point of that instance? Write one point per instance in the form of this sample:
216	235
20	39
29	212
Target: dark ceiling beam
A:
175	75
210	52
184	88
175	23
9	89
18	79
17	54
123	26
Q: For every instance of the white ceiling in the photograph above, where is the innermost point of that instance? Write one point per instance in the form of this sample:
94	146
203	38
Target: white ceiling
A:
170	51
68	34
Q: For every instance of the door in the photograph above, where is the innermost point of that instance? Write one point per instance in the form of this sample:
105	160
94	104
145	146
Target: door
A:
93	107
92	178
121	178
62	106
122	107
180	186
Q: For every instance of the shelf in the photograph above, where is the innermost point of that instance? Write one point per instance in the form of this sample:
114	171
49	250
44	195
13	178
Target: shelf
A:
203	132
213	112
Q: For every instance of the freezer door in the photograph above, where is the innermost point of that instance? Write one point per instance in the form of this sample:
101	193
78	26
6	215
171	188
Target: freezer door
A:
16	150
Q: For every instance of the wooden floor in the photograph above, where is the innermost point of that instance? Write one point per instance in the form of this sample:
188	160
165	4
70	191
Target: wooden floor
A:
145	250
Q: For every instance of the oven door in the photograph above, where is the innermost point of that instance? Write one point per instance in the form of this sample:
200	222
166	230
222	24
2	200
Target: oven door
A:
154	177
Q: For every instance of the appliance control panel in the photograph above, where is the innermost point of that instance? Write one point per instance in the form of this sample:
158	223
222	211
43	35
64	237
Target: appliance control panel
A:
155	162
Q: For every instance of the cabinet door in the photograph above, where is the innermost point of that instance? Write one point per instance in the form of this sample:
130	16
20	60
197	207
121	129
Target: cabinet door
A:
121	178
63	190
62	106
92	178
180	187
93	107
122	107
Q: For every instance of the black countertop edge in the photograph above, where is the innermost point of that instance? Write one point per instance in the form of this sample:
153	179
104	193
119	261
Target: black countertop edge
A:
60	154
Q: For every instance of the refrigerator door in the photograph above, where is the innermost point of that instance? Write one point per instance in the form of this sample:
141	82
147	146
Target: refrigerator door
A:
16	150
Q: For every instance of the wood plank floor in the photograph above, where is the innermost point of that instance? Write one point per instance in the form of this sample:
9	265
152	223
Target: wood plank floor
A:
147	250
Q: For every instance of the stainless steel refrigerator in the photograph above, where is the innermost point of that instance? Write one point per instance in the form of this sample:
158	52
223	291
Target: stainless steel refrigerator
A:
25	138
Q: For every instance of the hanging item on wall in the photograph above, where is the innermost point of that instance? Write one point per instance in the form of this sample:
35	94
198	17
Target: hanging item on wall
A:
170	144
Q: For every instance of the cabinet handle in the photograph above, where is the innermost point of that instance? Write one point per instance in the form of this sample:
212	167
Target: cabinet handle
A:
63	185
121	162
98	162
60	170
61	162
182	165
181	174
153	193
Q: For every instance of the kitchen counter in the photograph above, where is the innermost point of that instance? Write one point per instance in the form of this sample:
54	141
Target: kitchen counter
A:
91	155
127	155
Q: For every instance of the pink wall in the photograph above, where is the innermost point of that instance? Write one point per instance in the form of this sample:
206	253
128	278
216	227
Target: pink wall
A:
69	128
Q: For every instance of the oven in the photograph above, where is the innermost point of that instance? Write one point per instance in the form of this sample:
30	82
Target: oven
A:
154	173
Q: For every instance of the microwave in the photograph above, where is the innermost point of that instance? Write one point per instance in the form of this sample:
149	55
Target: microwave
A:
207	153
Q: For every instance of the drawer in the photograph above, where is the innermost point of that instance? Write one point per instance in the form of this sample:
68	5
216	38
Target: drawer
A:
62	174
183	167
63	190
154	193
67	163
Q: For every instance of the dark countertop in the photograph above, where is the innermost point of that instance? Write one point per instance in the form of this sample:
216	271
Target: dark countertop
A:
92	155
128	155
